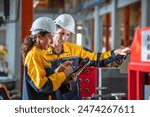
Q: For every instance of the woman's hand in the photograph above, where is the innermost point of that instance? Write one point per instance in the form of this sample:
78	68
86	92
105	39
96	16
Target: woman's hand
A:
62	67
68	70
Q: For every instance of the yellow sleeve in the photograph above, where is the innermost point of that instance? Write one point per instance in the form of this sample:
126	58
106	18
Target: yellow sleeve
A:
57	79
97	59
37	74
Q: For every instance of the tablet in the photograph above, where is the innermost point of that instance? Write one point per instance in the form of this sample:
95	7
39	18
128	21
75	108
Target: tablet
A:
80	68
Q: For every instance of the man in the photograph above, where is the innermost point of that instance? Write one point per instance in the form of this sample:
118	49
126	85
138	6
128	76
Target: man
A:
62	51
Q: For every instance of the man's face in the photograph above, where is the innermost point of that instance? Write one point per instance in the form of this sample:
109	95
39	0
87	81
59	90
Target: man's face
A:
61	36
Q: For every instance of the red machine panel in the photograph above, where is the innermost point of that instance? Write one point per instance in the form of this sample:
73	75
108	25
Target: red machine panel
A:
139	66
88	81
140	43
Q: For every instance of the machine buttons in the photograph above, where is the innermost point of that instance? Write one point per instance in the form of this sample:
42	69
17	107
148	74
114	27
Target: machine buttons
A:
87	80
86	89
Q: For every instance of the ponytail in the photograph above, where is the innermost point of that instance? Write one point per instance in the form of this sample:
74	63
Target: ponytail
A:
29	42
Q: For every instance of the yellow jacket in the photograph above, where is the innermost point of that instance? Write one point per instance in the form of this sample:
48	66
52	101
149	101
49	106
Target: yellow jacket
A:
77	54
40	81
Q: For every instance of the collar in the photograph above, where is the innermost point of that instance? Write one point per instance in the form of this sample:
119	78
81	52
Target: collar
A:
65	49
49	51
39	51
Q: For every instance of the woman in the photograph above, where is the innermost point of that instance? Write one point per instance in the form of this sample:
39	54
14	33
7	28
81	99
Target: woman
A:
40	82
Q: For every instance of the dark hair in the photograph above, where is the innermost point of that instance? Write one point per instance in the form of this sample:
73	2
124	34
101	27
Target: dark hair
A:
58	27
29	42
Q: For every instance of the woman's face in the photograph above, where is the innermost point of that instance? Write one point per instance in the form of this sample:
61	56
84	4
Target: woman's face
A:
46	40
61	36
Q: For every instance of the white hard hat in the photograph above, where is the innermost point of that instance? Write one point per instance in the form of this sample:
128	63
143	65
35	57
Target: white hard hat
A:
66	21
43	24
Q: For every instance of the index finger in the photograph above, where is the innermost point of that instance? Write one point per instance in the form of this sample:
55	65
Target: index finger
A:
67	62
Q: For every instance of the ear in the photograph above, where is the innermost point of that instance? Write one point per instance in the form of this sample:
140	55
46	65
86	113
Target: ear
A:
38	36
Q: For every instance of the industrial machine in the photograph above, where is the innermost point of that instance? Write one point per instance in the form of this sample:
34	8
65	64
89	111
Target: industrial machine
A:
88	82
139	66
115	83
103	83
